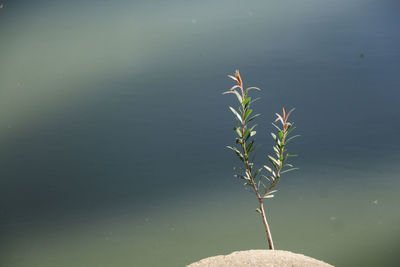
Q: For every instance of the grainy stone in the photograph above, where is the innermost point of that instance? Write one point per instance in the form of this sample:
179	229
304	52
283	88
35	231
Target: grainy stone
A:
260	258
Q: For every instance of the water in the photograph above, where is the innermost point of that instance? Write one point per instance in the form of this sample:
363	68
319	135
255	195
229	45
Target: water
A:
113	127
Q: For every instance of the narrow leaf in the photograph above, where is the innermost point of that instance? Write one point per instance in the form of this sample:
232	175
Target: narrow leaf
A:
246	100
239	176
279	118
239	97
236	113
237	130
269	178
249	131
287	116
253	88
292	169
247	113
280	135
257	172
292	138
232	77
279	129
274	160
234	149
291	129
268	168
252	118
249	146
274	136
254	100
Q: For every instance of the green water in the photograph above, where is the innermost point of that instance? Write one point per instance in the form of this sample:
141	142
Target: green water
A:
113	128
356	224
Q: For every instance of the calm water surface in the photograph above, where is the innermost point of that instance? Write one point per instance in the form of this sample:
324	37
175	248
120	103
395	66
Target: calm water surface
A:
113	127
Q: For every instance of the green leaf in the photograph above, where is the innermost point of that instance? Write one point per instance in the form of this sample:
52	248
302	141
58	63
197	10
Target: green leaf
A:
268	168
269	178
239	97
234	149
291	129
292	138
249	146
232	91
252	118
246	100
292	169
236	114
252	88
274	136
279	129
237	130
252	133
271	192
249	131
239	176
247	113
254	126
256	99
268	196
274	162
280	135
257	172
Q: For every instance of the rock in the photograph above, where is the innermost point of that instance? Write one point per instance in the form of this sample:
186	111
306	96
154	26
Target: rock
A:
260	258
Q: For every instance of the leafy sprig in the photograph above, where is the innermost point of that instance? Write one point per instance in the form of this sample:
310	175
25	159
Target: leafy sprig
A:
279	160
244	129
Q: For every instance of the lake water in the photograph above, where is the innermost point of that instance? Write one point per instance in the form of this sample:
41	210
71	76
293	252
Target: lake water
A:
113	130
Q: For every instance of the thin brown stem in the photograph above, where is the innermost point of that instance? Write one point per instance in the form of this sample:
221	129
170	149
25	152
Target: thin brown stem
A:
267	230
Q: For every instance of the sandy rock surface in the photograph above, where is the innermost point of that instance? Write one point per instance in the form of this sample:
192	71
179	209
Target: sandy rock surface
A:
260	258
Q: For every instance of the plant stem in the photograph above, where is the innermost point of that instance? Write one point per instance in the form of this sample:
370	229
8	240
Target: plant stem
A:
267	230
248	168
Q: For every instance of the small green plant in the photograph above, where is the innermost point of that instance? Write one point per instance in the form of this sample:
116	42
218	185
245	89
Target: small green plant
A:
262	185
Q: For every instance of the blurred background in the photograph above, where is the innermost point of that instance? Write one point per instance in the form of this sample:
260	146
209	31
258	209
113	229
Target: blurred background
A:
113	130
